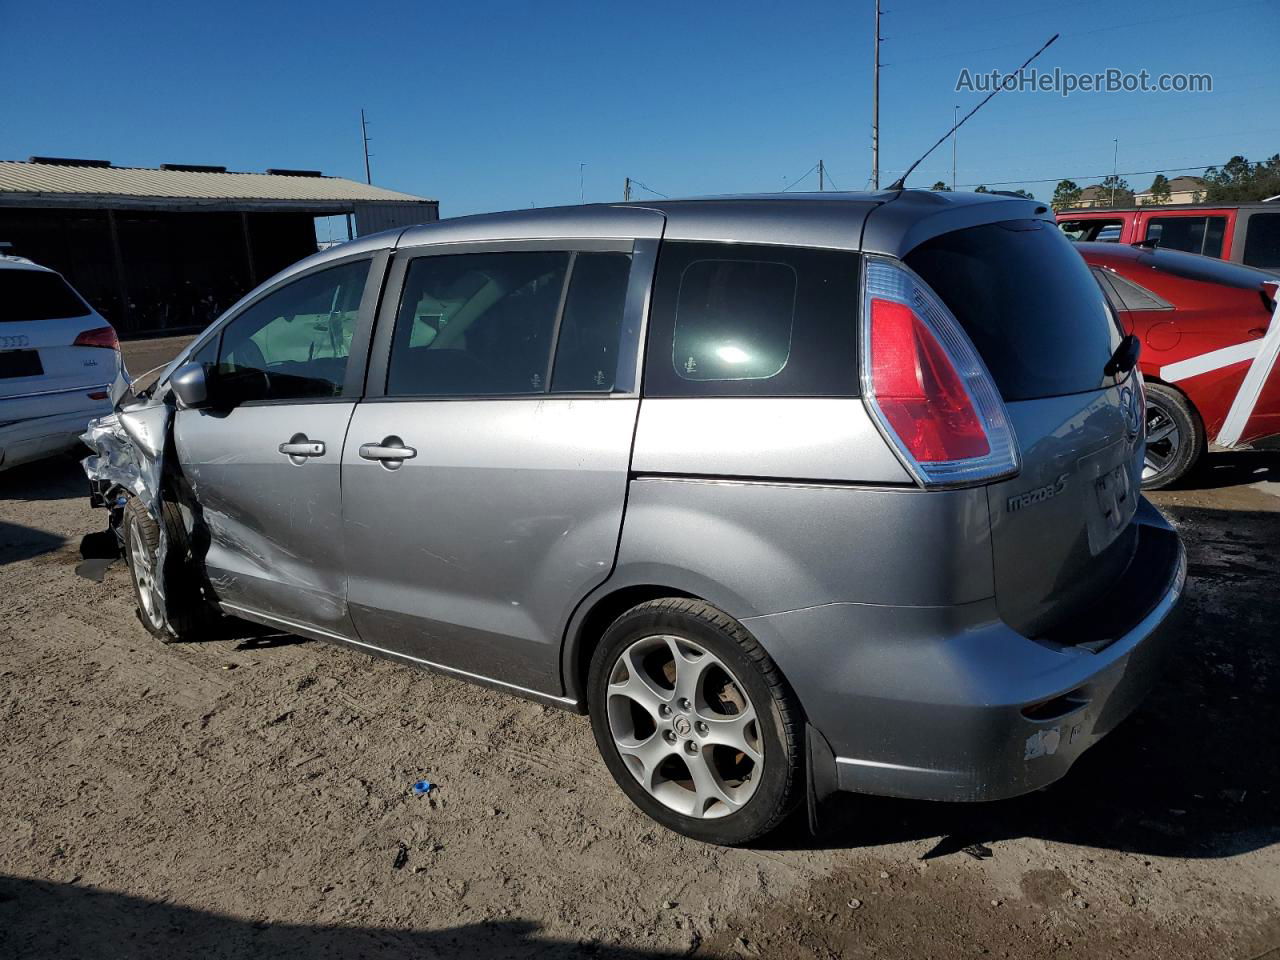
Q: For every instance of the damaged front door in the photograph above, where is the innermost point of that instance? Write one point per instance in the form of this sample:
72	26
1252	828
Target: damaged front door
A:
264	457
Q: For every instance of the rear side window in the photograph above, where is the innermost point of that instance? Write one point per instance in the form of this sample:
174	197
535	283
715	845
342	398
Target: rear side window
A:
1028	302
591	327
477	324
1262	241
1092	229
27	295
1201	235
744	320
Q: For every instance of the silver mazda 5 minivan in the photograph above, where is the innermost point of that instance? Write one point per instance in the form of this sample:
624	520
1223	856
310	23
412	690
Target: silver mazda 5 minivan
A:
791	494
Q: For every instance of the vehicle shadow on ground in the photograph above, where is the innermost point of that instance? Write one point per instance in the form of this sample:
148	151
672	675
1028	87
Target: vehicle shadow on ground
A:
1235	469
18	542
57	478
42	919
252	636
1195	772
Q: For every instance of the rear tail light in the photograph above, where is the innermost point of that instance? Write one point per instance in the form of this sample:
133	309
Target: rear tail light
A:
104	337
927	388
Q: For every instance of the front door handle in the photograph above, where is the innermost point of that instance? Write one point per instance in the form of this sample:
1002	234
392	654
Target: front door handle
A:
391	452
299	448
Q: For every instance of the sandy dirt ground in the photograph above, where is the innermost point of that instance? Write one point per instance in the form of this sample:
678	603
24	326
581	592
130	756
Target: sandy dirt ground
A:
251	796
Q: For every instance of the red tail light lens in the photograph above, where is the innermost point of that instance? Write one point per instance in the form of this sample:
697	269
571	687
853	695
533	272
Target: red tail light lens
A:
104	337
918	389
923	381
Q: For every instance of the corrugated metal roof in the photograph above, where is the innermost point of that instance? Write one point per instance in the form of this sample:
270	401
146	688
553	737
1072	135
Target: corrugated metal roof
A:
44	178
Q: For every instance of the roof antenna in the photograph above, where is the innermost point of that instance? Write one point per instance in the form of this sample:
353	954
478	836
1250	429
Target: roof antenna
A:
901	182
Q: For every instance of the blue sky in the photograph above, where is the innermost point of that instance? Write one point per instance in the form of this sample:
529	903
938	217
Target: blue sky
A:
493	105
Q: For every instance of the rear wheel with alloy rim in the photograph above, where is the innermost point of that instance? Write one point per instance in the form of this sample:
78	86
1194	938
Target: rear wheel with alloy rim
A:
695	722
1175	437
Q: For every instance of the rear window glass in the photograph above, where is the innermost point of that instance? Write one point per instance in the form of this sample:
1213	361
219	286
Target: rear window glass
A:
1262	241
749	320
1028	302
27	295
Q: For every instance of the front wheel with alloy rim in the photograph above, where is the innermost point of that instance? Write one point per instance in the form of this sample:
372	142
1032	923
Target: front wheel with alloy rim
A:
1175	437
170	602
695	722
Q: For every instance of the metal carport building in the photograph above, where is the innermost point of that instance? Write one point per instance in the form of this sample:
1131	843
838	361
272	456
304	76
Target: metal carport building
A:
171	248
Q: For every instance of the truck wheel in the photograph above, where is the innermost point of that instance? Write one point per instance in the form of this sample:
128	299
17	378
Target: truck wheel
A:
1175	437
695	722
170	604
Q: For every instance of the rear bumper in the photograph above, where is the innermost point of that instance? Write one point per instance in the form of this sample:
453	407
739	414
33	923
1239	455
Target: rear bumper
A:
949	703
39	437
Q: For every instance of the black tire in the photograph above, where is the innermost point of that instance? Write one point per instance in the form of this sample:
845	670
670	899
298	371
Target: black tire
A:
1172	457
184	615
779	725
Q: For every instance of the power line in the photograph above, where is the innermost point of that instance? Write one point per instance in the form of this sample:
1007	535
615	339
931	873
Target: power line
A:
1068	34
800	178
1091	176
650	189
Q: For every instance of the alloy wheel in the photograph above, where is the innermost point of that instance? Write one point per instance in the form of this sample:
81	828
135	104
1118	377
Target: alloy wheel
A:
1163	438
143	575
684	726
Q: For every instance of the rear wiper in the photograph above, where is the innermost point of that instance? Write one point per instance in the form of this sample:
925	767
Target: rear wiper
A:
1125	358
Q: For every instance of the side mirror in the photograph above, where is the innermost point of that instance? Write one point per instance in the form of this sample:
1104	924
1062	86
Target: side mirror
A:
191	385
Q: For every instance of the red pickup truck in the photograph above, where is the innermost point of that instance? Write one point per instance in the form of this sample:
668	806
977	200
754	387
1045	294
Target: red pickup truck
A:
1247	233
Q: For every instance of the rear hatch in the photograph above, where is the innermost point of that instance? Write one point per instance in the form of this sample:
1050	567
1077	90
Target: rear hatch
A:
1061	529
41	320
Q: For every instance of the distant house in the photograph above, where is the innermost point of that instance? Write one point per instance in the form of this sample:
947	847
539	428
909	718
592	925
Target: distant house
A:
1093	197
1181	190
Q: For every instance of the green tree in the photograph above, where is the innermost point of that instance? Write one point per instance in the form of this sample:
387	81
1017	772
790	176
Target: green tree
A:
1159	191
1065	195
1239	181
1024	193
941	187
981	188
1115	192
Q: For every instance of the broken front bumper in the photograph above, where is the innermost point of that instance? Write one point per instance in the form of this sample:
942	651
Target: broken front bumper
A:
949	703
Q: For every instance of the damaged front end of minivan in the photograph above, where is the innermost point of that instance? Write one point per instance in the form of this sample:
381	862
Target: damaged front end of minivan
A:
130	462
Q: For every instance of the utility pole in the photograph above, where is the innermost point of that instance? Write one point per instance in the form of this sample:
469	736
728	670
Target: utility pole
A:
626	189
581	181
1115	169
955	121
875	110
821	179
364	136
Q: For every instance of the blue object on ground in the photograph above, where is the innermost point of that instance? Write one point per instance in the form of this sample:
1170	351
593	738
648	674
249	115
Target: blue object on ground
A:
423	786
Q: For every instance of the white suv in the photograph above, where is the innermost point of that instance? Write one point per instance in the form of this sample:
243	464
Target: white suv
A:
59	363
